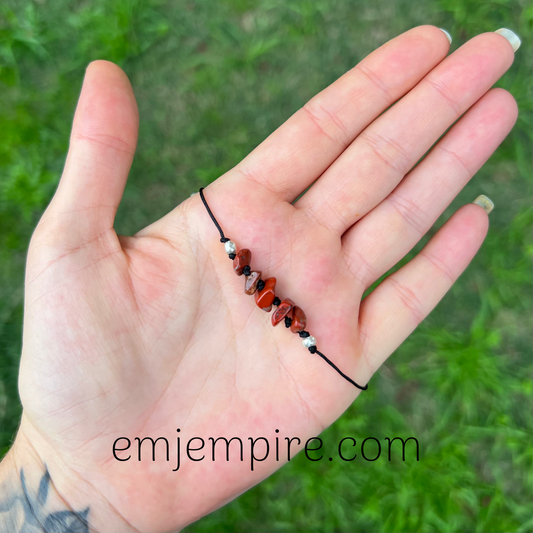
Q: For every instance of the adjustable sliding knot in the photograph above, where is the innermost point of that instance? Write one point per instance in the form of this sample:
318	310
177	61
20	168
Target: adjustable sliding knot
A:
265	298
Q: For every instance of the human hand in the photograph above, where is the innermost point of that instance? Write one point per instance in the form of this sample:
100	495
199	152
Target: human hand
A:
138	336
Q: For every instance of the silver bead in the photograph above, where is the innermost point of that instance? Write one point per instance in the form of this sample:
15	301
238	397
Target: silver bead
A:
309	341
230	247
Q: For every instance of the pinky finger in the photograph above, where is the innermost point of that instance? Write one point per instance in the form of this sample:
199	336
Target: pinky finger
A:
393	310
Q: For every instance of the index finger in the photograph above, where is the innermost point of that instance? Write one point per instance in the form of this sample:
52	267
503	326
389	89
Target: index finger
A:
299	151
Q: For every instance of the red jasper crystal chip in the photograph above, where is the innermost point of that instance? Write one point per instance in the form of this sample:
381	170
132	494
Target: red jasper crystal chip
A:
283	310
299	320
242	259
265	297
250	283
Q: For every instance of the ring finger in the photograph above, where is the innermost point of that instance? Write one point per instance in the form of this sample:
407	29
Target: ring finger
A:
390	230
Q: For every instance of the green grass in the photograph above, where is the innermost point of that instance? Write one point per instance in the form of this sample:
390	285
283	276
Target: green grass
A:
212	80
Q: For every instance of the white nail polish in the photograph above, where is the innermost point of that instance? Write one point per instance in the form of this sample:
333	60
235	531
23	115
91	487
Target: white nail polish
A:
486	203
511	37
448	36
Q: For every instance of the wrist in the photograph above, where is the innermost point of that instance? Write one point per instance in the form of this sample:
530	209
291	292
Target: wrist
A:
39	493
28	499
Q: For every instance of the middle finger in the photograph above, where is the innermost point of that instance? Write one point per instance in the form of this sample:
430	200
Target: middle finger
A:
384	152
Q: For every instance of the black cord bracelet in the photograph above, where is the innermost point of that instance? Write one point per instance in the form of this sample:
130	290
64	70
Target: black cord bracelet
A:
263	291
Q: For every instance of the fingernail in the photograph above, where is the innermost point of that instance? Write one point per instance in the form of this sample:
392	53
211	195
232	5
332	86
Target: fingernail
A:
448	36
511	37
486	203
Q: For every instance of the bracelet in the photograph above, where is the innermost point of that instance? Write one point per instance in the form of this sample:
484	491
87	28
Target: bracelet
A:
265	298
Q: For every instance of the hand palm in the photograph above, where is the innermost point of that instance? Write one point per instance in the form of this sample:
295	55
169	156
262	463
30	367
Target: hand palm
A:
177	344
138	336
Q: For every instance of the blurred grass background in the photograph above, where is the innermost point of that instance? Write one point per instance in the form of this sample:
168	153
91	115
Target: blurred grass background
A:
212	80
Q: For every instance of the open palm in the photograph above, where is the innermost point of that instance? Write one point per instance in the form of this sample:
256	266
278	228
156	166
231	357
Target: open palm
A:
138	336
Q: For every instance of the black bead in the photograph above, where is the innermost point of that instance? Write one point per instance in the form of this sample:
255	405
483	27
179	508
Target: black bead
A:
303	334
312	349
288	321
232	256
247	270
224	239
260	285
276	301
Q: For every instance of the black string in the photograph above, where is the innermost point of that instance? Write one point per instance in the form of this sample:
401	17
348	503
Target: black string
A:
341	372
260	285
223	238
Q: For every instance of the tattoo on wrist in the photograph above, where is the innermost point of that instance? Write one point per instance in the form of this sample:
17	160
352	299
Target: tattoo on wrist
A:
24	510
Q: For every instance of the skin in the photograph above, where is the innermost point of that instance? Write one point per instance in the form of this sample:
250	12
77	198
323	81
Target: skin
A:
138	336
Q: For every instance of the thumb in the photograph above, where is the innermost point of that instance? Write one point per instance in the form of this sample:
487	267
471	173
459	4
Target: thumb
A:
102	145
